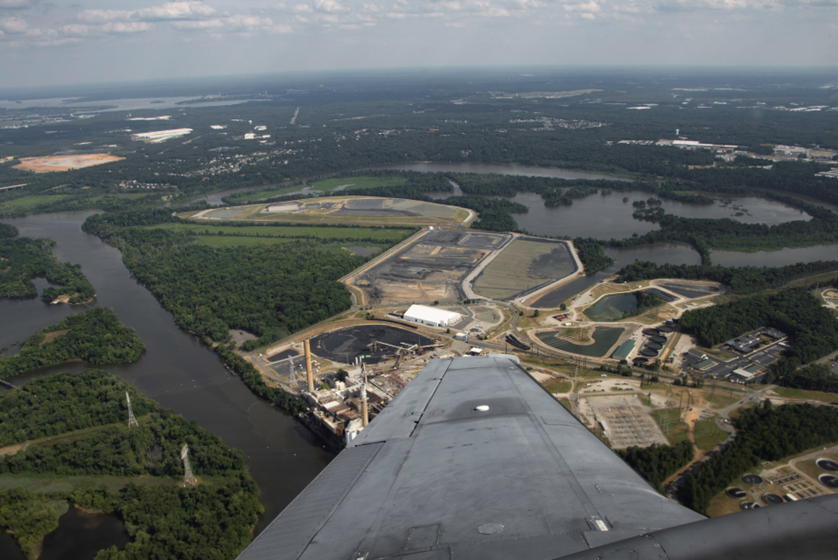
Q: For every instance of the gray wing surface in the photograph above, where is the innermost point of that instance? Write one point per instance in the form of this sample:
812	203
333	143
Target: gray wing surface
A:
433	478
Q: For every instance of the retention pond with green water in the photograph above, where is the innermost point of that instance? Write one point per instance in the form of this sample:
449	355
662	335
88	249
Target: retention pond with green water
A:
604	339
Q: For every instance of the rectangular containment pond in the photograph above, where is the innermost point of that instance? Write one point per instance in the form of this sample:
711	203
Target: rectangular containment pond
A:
524	264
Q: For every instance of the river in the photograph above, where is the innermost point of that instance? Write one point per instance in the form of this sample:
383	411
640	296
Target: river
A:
176	370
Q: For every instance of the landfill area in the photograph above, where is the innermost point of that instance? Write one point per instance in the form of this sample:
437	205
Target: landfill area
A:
431	268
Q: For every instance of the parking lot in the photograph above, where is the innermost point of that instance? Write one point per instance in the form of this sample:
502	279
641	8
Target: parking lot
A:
761	358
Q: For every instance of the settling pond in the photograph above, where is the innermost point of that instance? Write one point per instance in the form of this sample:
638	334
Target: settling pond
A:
611	308
604	338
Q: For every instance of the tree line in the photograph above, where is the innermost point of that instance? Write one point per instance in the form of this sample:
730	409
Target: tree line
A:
739	280
263	290
764	433
658	462
812	329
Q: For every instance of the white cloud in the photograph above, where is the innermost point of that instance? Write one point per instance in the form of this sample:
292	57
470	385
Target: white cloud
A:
175	11
120	27
13	26
237	22
716	5
102	16
171	11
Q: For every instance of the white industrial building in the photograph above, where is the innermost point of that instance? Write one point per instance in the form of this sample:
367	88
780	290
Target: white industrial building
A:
431	316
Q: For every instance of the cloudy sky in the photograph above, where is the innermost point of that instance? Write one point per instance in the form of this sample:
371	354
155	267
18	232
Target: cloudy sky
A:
44	42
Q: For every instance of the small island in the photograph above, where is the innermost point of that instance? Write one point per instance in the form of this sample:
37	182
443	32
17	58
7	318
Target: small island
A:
24	258
95	336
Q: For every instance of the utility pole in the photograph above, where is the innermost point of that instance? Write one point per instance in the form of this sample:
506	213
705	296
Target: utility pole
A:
132	420
188	478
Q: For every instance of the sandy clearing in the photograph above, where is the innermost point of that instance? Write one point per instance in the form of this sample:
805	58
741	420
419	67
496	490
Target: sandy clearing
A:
64	163
12	449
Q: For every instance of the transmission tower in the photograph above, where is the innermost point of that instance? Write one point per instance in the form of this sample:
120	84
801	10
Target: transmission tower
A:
132	420
188	477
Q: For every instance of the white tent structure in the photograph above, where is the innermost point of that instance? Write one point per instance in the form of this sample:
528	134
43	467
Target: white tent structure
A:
431	316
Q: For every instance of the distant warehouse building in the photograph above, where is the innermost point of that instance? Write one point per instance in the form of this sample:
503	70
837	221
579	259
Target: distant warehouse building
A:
431	316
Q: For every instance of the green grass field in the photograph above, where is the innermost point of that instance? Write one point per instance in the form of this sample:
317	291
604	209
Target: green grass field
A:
708	435
810	395
358	183
221	241
719	400
677	430
558	386
244	198
225	241
337	232
27	202
326	185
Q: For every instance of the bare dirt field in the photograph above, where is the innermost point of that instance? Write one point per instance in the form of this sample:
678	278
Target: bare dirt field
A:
46	164
523	265
49	337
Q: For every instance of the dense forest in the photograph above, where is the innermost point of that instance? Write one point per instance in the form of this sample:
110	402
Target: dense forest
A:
7	231
95	336
816	377
29	516
34	411
764	433
265	290
658	462
812	329
24	258
591	254
212	520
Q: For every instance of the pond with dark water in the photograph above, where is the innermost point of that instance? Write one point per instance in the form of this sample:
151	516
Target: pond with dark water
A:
175	370
604	338
607	217
80	535
660	253
611	308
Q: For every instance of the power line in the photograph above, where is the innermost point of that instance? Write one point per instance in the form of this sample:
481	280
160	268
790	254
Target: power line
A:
132	420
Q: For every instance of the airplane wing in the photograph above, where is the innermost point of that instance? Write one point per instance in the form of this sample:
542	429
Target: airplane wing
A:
438	476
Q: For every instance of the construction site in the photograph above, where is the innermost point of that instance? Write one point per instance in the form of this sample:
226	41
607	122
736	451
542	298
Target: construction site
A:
431	267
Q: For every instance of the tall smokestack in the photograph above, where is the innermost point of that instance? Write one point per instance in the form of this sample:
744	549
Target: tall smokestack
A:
309	374
365	413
